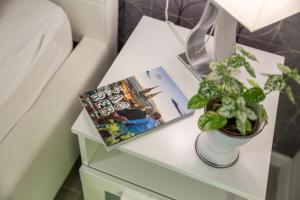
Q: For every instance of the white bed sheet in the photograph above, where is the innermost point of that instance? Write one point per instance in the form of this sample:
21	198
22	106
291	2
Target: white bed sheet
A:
35	39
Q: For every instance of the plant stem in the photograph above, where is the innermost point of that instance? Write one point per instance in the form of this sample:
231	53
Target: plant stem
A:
268	92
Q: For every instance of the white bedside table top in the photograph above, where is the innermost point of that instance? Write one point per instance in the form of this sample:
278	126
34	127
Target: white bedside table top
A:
154	44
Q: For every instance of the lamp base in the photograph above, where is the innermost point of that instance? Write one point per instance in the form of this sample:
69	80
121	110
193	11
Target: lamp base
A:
198	74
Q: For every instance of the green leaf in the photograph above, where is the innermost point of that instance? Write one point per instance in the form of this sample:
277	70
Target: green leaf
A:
292	73
296	77
261	112
211	121
249	69
289	93
254	95
241	126
246	53
253	83
248	126
196	102
208	90
284	69
275	82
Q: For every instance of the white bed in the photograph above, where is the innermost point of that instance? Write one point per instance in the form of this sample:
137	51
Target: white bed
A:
40	78
37	39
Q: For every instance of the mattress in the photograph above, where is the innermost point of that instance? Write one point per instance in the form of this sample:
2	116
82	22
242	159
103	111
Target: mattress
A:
35	39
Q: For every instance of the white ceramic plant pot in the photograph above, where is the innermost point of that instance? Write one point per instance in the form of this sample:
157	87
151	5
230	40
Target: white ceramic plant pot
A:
220	149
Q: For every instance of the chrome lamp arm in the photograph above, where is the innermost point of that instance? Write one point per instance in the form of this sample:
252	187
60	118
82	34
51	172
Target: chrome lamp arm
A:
196	57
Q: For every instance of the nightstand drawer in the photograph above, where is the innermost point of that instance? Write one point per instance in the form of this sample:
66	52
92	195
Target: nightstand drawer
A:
150	176
101	186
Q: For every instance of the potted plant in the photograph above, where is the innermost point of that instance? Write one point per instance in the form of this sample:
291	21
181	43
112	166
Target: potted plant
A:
234	113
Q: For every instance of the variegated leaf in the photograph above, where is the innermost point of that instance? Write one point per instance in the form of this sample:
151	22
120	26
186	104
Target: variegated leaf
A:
229	102
240	101
251	114
241	126
235	61
235	86
253	83
226	111
275	82
261	112
246	53
241	115
249	69
290	94
284	69
208	90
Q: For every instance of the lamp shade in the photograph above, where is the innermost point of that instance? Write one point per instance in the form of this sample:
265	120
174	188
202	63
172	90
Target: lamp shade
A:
256	14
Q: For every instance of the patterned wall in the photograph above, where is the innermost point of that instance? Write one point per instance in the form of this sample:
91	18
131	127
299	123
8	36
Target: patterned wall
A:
282	38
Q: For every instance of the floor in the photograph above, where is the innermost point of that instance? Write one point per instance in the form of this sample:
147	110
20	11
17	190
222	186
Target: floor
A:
72	190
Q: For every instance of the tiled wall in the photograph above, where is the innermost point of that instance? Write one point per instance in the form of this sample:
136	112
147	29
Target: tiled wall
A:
282	38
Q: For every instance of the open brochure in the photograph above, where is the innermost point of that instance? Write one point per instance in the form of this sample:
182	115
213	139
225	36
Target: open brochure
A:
131	107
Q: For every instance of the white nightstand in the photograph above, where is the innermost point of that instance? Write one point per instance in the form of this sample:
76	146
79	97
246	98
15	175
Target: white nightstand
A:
164	164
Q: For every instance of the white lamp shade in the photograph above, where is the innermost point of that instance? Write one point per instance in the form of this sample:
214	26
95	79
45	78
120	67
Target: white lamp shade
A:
256	14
